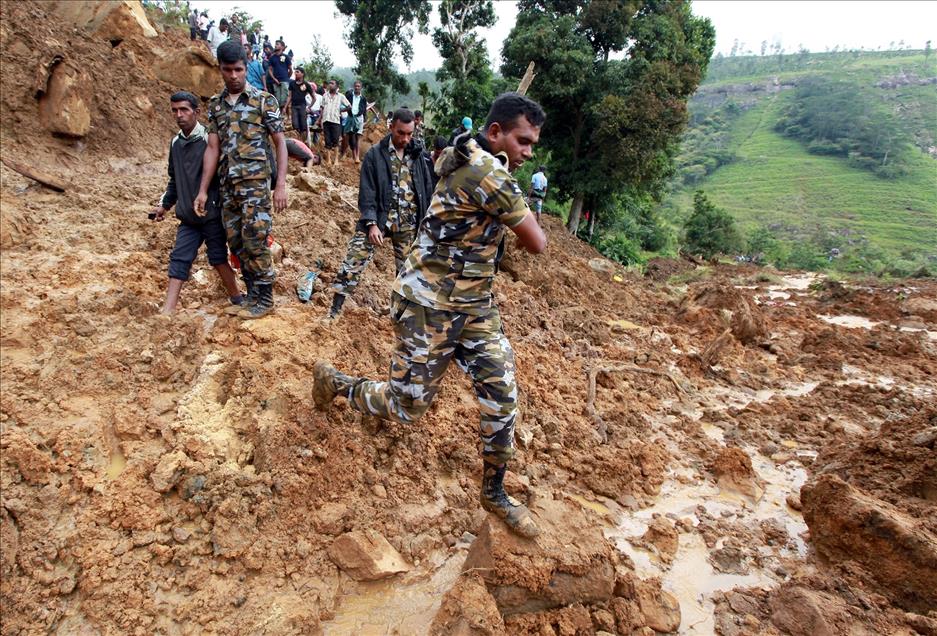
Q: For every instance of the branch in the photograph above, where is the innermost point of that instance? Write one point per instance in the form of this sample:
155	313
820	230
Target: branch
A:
601	428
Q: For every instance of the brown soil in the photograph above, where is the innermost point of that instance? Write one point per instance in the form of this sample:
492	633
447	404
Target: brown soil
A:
171	474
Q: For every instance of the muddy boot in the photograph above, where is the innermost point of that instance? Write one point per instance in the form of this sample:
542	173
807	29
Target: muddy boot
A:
263	304
247	301
337	301
507	508
327	382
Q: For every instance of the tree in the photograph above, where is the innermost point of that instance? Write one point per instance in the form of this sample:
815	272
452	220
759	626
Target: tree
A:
612	124
377	30
465	74
424	92
710	230
246	20
319	66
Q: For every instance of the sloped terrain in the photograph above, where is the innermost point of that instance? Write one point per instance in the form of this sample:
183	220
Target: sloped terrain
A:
170	475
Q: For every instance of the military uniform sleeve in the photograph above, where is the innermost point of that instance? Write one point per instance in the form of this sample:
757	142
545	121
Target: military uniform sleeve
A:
272	119
212	123
503	198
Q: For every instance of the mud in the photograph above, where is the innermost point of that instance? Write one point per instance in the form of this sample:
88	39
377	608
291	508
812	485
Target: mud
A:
170	475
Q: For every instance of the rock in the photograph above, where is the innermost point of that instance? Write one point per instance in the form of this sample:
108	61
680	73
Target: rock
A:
113	21
468	610
797	611
181	535
192	486
308	182
926	438
65	101
168	471
733	470
661	609
570	562
602	265
331	518
366	556
729	560
793	500
895	550
663	535
742	603
192	69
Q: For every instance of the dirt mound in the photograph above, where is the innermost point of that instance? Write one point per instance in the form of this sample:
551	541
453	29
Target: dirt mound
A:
726	306
660	269
171	474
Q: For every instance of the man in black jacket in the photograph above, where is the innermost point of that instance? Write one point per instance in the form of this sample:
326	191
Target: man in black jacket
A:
185	175
395	188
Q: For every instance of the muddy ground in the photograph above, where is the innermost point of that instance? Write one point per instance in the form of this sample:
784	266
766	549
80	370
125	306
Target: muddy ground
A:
170	475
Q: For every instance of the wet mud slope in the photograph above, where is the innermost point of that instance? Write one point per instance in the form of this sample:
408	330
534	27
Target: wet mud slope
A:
721	450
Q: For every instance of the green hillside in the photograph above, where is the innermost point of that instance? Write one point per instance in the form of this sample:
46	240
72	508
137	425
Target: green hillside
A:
815	195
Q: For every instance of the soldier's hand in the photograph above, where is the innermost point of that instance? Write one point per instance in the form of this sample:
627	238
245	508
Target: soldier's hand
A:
199	203
375	237
279	198
158	213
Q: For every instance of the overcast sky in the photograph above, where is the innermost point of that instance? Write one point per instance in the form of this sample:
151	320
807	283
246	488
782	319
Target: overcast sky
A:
814	24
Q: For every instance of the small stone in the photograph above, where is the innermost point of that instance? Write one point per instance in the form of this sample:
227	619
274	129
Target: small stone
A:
793	500
927	437
168	471
366	556
181	535
379	491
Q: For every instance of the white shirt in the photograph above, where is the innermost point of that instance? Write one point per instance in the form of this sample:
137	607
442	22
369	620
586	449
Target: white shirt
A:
215	38
202	22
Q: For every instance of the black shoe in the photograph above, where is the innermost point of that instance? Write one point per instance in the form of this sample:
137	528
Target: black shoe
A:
507	508
262	305
337	301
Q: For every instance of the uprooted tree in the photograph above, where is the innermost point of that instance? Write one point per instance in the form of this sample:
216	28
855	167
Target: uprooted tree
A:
376	30
612	124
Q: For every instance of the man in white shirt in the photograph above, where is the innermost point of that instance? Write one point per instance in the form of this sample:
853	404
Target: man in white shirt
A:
217	35
333	104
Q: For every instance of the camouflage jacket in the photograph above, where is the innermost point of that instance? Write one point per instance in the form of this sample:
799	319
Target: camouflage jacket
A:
455	255
243	133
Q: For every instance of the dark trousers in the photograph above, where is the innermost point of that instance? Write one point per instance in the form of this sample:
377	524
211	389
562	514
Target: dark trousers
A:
333	133
298	117
189	238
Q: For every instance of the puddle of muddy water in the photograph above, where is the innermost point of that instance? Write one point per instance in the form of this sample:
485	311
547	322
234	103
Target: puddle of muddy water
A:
690	577
400	605
848	321
116	465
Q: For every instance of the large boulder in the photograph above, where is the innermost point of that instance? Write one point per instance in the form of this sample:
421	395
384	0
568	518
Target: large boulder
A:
65	101
895	550
570	562
112	21
192	69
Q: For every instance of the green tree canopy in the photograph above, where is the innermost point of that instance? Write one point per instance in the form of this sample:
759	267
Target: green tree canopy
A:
376	31
710	230
319	65
465	73
612	124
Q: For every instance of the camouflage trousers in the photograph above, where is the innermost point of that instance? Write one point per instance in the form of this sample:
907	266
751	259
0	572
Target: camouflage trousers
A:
361	253
427	340
245	212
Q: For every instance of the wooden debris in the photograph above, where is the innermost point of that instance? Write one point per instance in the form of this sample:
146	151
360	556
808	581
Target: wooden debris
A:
528	78
35	174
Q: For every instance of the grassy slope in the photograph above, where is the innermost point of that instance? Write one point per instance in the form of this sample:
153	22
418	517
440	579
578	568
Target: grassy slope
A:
775	181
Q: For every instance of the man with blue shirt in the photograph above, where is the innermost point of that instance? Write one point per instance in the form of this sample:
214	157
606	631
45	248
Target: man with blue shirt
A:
255	70
279	72
538	190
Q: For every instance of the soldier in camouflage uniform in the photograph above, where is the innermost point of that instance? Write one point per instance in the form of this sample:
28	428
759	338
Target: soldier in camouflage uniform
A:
241	123
442	305
394	191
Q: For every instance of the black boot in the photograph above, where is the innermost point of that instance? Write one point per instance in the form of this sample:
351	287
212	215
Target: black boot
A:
337	301
248	300
507	508
263	303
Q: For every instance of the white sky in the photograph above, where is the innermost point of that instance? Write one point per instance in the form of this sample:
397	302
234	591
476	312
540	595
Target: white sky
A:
816	24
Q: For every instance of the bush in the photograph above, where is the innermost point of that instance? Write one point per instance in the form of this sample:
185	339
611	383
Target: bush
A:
619	247
710	230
